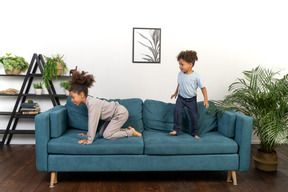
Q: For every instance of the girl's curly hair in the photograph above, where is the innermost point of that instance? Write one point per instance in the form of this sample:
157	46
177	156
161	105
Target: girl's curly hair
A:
80	82
189	56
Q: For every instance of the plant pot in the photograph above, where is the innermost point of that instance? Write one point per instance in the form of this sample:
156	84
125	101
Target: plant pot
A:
38	91
15	71
66	92
59	68
266	161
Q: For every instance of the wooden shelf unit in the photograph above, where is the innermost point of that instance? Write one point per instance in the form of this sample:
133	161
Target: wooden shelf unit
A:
37	61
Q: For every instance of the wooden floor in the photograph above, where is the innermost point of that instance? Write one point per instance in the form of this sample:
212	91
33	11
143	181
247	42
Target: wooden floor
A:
18	173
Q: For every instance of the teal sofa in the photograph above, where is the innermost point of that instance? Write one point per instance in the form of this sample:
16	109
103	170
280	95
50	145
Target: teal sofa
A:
224	144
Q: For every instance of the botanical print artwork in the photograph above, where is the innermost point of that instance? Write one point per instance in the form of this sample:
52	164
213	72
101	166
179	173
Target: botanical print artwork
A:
146	45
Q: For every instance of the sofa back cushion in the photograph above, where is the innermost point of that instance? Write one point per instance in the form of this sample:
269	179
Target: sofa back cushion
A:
134	107
207	122
78	115
158	115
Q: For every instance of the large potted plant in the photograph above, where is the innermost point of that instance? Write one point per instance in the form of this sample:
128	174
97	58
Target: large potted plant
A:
53	67
265	98
13	65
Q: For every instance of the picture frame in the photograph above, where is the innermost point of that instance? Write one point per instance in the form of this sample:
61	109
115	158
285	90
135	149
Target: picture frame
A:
146	45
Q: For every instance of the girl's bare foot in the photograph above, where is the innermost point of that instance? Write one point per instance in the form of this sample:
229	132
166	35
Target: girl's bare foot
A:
135	133
197	137
173	133
83	134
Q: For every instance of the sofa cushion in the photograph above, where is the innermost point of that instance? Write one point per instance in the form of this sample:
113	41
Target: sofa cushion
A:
68	144
78	115
158	115
134	107
207	122
161	143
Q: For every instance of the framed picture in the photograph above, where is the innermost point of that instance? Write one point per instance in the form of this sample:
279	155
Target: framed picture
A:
146	45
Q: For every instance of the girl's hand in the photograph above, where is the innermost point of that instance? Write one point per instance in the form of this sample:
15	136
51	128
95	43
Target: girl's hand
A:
206	103
174	95
84	142
83	134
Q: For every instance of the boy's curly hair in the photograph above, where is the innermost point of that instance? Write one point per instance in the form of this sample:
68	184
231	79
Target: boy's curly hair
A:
80	82
189	56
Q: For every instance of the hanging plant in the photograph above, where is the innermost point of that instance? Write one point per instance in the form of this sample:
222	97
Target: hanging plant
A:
53	67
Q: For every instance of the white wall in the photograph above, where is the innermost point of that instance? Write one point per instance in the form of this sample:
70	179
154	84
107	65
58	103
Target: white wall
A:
229	36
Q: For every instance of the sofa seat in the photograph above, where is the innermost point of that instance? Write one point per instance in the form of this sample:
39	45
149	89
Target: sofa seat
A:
161	143
68	144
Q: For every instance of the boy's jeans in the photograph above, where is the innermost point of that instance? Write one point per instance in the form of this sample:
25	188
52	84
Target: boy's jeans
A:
191	104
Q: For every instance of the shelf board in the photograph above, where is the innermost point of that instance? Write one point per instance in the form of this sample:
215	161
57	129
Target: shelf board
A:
34	95
5	113
2	131
19	115
31	75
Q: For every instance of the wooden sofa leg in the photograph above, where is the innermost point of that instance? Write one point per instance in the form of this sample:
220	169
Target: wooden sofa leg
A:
52	179
229	177
234	178
56	178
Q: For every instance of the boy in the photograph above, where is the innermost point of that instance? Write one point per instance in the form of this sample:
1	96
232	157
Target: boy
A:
188	82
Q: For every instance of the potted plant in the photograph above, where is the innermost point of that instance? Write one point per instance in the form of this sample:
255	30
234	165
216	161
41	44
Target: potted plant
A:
53	67
66	86
38	88
13	65
265	98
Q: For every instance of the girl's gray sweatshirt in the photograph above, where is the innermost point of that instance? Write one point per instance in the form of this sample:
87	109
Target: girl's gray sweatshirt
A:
98	109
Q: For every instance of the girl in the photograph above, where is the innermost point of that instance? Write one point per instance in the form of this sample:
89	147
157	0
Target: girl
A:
113	113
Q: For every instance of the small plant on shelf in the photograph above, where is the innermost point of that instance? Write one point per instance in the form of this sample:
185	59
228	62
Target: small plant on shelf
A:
13	65
53	67
66	86
38	88
38	85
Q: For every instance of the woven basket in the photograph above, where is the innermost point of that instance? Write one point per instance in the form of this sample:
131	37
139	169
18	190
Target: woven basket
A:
266	161
13	72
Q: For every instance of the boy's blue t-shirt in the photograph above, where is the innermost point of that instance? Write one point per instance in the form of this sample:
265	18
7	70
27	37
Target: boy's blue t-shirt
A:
188	84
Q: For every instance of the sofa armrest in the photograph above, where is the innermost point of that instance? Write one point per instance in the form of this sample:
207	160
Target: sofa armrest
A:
243	133
43	136
58	122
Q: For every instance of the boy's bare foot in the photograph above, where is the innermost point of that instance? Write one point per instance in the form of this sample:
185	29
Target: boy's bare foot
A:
173	133
135	133
197	137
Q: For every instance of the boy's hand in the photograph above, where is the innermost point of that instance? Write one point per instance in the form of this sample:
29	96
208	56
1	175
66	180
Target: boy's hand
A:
84	142
174	95
206	103
83	134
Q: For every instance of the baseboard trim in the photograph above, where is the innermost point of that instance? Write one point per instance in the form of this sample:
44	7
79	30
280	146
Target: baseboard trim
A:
255	141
